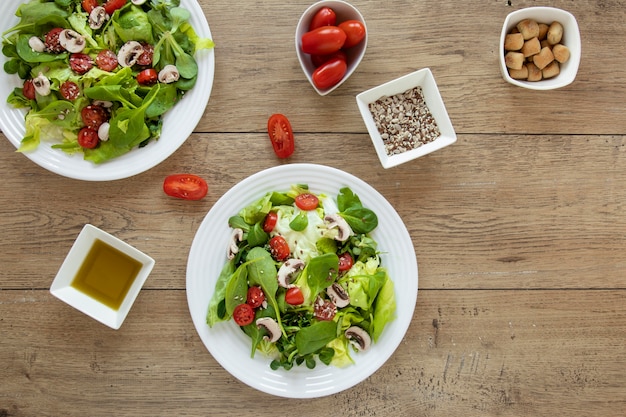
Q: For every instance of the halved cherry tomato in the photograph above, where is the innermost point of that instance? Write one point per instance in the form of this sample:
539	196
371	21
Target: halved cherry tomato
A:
355	32
281	135
80	63
345	261
318	60
29	89
89	5
279	248
94	115
243	314
307	201
294	296
255	297
270	221
52	42
112	5
329	73
148	76
185	186
323	17
106	60
69	90
88	138
323	40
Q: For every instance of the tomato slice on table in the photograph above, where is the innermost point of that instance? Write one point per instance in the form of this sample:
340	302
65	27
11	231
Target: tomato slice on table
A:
307	201
255	297
279	248
323	17
270	221
243	314
185	186
281	135
294	296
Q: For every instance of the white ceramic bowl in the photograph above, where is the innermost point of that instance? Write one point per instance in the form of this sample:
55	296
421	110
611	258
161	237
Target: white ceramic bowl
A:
62	285
422	78
344	11
571	39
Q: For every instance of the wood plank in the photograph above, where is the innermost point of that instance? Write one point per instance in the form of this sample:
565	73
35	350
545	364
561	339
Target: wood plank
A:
479	352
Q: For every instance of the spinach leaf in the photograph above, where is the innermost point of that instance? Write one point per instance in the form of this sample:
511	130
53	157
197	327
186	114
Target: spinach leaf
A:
360	219
236	290
300	222
262	272
315	337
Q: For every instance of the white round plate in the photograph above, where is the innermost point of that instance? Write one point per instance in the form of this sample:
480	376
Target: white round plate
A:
178	122
231	347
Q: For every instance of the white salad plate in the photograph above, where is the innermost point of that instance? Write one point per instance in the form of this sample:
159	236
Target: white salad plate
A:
178	122
225	340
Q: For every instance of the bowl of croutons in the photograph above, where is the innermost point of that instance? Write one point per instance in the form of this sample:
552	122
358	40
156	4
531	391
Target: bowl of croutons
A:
540	48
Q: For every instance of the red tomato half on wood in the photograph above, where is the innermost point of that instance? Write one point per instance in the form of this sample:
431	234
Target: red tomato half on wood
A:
185	186
329	73
355	32
323	17
281	135
324	40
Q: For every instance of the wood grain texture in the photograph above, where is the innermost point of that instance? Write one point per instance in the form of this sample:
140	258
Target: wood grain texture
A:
518	229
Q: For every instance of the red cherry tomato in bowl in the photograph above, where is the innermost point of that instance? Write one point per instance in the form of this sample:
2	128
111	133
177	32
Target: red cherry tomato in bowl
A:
243	314
354	30
329	73
307	201
318	60
323	40
185	186
281	135
323	17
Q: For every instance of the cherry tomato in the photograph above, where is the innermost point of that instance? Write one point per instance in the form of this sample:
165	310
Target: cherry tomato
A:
323	17
80	63
94	115
281	135
52	41
29	89
279	248
270	221
355	32
148	77
345	261
112	5
69	90
106	60
318	60
324	309
255	297
88	138
307	201
294	296
89	5
185	186
146	56
329	73
243	314
323	40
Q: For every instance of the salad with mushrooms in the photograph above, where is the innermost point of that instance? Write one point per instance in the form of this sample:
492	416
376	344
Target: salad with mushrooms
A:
98	75
304	278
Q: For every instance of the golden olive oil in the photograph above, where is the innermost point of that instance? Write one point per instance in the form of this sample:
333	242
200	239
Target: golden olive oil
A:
106	274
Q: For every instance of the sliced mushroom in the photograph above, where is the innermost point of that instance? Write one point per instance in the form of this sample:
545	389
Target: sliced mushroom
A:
97	17
286	271
272	328
72	41
358	338
343	228
36	44
233	247
103	131
338	295
129	53
41	84
169	74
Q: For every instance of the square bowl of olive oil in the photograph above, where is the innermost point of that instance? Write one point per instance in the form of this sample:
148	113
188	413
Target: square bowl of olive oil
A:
101	276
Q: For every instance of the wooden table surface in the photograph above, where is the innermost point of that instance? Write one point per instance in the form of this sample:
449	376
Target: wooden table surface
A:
519	229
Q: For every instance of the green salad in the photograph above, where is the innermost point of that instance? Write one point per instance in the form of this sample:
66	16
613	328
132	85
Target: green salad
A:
98	75
304	278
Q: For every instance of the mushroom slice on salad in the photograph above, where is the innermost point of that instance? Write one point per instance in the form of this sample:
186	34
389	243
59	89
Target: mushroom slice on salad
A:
343	228
358	337
286	271
271	327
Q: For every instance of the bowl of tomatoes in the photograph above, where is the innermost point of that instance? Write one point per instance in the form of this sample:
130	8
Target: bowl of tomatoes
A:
331	39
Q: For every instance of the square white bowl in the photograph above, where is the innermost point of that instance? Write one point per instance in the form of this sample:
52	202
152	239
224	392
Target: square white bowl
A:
571	39
421	78
344	11
62	285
